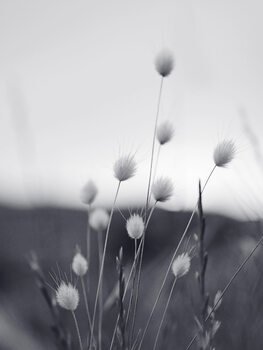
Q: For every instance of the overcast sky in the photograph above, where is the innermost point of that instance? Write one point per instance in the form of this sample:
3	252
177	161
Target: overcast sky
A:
78	87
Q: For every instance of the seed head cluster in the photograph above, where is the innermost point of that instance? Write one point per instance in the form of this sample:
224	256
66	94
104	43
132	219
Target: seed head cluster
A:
135	226
162	189
79	264
165	132
181	265
124	168
89	192
67	296
164	63
99	219
224	153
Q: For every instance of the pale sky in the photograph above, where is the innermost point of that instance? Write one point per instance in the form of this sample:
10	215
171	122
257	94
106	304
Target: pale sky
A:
78	87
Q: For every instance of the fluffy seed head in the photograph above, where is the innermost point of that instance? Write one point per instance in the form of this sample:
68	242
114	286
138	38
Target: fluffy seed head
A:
79	264
165	132
181	265
224	153
89	192
164	63
67	296
99	219
135	226
162	189
124	168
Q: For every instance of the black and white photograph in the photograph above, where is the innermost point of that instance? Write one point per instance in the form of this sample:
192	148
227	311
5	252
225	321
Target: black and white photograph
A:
131	175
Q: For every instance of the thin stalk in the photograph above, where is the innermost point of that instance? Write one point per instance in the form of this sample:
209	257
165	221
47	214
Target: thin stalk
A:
85	300
133	283
148	197
138	282
88	240
153	146
121	282
100	249
130	274
77	328
102	265
156	163
203	258
136	340
227	286
171	262
155	168
88	236
137	289
164	313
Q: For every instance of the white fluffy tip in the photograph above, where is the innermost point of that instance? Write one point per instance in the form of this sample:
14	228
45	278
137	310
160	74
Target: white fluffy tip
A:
67	296
224	153
181	265
99	219
165	132
89	192
124	168
162	189
164	63
79	264
135	226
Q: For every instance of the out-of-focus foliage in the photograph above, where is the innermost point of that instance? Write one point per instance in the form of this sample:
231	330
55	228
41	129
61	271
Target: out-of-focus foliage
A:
53	234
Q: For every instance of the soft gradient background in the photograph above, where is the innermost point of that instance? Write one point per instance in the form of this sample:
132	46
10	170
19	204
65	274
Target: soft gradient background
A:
78	88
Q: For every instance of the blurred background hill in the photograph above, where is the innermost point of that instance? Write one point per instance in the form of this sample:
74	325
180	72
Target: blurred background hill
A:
53	233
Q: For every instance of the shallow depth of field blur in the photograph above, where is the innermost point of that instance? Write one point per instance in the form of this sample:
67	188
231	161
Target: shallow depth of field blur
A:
78	89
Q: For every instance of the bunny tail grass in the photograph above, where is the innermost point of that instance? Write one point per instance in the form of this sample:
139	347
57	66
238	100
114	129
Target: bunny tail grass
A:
130	275
171	262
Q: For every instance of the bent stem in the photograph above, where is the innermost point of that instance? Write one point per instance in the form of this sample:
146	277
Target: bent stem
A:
153	146
77	328
227	287
100	249
86	301
129	277
164	313
102	265
171	262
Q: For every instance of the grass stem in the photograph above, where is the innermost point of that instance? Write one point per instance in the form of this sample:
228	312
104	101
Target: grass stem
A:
77	328
86	301
133	285
164	313
88	241
171	261
130	274
100	249
102	265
